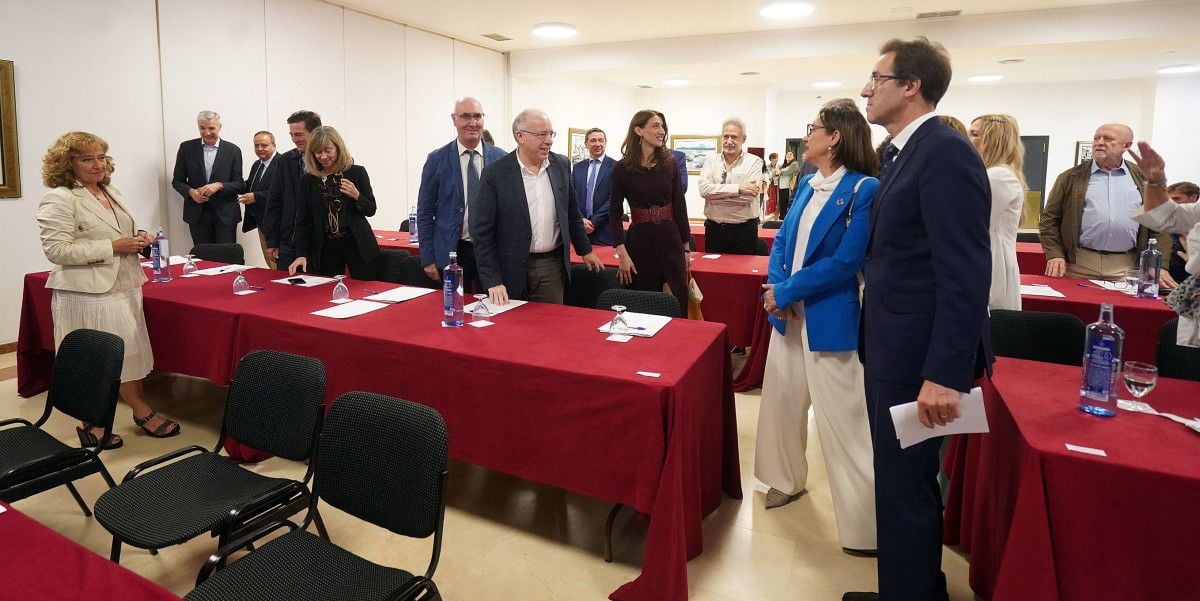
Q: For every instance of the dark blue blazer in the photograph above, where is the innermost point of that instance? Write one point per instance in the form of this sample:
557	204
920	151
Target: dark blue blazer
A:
260	189
681	160
928	267
227	169
601	197
499	222
284	198
440	203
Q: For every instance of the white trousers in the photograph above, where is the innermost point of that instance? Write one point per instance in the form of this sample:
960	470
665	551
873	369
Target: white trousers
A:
832	383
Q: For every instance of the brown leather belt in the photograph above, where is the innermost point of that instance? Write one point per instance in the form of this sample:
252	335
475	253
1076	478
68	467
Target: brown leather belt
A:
1107	252
657	214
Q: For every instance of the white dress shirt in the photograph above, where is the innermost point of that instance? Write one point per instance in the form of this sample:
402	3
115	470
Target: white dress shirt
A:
210	157
462	168
720	185
543	222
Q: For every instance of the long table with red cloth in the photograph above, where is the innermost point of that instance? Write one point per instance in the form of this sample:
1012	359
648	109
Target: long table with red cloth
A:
41	564
767	235
540	395
1031	258
1042	523
1141	318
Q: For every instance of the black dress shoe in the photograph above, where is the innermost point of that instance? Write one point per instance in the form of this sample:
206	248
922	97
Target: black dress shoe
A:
860	597
860	552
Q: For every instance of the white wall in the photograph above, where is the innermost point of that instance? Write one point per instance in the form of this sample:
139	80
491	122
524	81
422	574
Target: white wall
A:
1177	125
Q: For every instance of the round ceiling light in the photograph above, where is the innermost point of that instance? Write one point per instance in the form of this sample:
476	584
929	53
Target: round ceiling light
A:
786	9
984	78
554	31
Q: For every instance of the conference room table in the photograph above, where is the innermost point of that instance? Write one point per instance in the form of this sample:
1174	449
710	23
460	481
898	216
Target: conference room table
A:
41	564
1115	519
649	423
1031	259
767	235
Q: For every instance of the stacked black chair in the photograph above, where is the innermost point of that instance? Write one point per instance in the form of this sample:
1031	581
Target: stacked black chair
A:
221	253
1029	237
760	247
1176	361
86	379
404	225
1037	335
639	301
389	264
275	404
381	459
586	286
772	225
412	273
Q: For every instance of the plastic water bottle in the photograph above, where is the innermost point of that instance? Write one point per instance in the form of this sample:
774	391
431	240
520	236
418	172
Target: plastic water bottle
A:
452	293
1101	365
1149	269
160	257
412	227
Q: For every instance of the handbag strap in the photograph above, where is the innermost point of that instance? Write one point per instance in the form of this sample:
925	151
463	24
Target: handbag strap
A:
853	196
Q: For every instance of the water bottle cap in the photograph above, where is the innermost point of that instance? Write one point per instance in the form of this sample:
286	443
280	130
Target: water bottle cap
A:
453	254
1154	241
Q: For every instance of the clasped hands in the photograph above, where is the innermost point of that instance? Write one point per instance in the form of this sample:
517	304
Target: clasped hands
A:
132	244
770	306
202	194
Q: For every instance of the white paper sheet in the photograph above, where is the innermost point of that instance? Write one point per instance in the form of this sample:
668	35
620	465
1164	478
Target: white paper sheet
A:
1040	290
222	269
972	420
710	256
175	260
350	309
1086	450
493	307
642	325
399	295
310	281
1108	285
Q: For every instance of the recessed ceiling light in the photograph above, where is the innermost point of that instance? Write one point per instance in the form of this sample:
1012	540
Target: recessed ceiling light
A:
676	82
1176	70
827	84
554	30
984	78
786	9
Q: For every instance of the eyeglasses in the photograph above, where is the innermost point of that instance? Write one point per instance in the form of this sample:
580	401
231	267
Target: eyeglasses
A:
543	135
873	79
811	127
470	116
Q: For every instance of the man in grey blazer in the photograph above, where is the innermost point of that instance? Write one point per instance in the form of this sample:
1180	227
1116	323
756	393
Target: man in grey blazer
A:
208	175
523	217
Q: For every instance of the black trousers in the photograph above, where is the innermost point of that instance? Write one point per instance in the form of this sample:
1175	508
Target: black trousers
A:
785	202
732	238
466	259
210	230
338	254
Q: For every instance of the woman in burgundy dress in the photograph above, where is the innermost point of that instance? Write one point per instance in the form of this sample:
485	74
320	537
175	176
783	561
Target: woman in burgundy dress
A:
654	254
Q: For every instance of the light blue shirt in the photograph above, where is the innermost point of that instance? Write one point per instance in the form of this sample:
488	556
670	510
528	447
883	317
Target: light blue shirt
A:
210	156
1111	196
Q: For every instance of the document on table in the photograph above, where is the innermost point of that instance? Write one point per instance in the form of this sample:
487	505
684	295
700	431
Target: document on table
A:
310	281
1108	285
222	269
972	420
350	309
1040	290
642	325
175	260
494	308
399	295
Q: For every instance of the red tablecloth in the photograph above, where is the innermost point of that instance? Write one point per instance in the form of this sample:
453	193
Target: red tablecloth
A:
41	564
1140	318
540	395
1044	523
1031	258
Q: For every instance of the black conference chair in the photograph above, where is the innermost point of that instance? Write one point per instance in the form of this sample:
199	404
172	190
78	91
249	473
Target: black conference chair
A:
221	253
772	225
86	378
1029	237
381	459
389	264
586	286
412	273
275	404
1176	361
760	247
1037	335
639	301
404	225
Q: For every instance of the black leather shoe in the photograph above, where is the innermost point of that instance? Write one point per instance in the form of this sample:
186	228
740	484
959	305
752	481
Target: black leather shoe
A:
860	597
860	552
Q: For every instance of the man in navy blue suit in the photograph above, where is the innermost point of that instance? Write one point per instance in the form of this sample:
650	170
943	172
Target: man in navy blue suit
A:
449	181
593	187
924	327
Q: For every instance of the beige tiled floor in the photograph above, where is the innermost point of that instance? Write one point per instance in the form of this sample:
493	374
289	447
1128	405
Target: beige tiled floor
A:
506	538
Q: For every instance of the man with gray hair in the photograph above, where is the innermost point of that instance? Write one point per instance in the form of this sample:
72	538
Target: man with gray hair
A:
208	175
730	183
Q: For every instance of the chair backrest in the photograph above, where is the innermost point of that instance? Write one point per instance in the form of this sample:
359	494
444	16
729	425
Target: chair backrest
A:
586	285
383	459
639	301
1037	335
1029	237
772	225
224	253
412	273
389	263
760	247
1176	361
275	403
87	376
404	225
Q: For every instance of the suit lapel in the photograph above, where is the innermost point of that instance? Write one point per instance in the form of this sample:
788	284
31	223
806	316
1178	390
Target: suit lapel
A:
518	183
834	208
909	150
93	206
456	182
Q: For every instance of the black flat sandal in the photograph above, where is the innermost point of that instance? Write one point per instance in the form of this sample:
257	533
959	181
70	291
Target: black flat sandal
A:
167	429
88	439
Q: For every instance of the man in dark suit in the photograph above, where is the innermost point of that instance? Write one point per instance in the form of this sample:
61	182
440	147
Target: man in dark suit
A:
593	187
208	175
285	195
449	180
258	185
524	216
924	328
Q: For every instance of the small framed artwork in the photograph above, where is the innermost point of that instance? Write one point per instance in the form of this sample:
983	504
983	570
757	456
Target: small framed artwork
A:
576	145
1083	151
10	165
695	149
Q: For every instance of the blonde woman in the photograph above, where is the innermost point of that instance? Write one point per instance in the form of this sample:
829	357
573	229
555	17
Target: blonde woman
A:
998	140
92	239
332	231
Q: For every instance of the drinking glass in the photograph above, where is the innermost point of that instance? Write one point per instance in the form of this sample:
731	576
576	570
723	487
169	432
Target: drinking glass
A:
1139	378
190	265
239	283
1131	281
618	325
340	291
481	312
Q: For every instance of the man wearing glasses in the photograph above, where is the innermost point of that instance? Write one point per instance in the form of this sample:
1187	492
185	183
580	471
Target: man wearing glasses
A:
449	181
730	183
524	216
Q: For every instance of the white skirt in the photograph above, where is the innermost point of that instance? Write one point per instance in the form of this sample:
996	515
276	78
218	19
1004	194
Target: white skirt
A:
119	313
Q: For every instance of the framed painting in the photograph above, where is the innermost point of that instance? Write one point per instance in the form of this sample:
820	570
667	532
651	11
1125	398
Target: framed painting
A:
695	149
10	165
1083	151
576	145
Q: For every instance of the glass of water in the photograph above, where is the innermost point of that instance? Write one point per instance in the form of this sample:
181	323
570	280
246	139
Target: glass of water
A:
618	325
239	283
340	291
480	311
1139	378
1131	281
190	265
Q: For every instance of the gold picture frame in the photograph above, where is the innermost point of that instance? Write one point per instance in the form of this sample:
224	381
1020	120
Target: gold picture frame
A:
576	145
1083	151
695	150
10	164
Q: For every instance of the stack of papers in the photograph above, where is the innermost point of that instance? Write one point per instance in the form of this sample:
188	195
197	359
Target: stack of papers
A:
972	420
350	309
222	269
494	308
399	295
642	325
1114	286
309	280
1040	290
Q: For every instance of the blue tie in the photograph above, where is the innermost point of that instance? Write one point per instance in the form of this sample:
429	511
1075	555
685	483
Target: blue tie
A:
472	176
591	187
889	157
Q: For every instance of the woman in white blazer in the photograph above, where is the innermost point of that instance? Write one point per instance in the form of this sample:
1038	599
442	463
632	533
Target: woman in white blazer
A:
998	140
89	234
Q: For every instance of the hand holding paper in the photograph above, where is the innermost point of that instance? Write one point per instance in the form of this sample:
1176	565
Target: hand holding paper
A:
972	420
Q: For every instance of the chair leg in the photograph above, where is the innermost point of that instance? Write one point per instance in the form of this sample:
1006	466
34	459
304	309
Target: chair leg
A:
115	554
608	524
78	499
154	551
320	525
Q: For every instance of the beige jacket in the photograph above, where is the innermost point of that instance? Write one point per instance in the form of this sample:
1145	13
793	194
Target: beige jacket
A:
77	235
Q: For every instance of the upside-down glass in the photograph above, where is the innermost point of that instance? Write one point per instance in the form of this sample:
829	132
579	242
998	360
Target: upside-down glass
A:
190	265
618	325
480	311
239	283
340	291
1139	378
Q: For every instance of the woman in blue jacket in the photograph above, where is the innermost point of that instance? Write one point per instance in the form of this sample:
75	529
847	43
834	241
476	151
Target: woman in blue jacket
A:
812	296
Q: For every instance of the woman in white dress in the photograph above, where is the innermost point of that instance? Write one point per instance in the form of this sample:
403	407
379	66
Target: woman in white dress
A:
998	140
